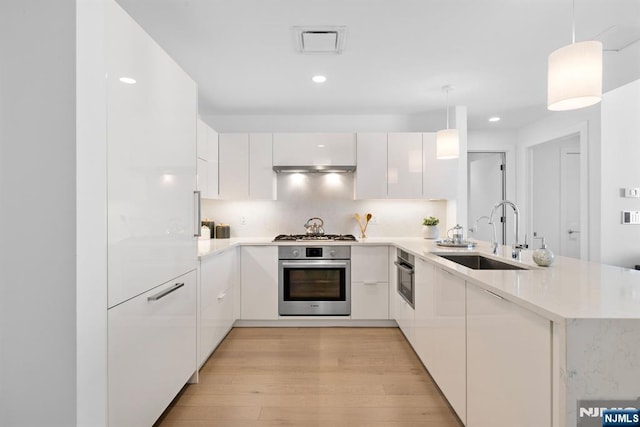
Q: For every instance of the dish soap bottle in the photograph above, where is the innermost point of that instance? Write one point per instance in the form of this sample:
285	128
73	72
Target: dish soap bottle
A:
543	255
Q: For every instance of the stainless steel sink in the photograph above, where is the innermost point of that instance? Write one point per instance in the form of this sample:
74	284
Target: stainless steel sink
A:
479	262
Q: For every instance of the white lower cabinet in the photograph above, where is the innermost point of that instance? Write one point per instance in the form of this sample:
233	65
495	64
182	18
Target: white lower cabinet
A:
152	351
424	322
508	363
259	283
404	316
448	368
369	282
216	301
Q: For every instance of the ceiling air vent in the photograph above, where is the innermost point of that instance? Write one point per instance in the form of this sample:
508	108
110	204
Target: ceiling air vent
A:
319	40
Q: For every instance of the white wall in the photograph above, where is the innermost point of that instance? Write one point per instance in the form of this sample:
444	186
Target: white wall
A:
37	218
620	169
329	196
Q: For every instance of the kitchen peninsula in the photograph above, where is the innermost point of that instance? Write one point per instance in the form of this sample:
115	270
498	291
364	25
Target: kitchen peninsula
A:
587	313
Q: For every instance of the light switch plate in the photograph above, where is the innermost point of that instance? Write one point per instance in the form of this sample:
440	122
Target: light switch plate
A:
632	192
631	217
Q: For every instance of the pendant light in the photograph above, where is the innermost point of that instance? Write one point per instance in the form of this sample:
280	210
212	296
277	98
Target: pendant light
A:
447	140
575	74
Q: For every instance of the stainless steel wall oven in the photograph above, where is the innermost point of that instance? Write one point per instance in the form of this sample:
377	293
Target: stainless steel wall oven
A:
405	266
314	280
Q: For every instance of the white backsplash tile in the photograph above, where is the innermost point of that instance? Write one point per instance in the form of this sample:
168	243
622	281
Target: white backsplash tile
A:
329	196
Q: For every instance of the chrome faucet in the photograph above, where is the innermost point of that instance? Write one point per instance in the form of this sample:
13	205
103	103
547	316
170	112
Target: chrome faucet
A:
474	229
516	248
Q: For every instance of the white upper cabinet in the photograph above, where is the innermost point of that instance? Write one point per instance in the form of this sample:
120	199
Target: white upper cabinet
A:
404	170
309	149
439	177
207	161
234	165
151	131
262	178
371	173
245	166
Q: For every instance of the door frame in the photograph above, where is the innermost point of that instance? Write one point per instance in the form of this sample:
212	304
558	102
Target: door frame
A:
582	130
510	153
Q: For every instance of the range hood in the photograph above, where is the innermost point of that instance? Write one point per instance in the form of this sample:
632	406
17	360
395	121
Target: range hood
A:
314	169
314	152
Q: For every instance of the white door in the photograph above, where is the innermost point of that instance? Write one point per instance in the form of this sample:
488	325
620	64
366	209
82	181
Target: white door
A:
486	187
570	202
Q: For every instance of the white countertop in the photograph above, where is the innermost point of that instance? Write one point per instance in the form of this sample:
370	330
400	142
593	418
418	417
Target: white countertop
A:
568	289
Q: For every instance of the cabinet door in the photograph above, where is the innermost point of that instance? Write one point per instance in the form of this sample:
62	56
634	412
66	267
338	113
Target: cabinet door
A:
449	339
424	312
307	149
152	351
440	177
151	152
404	172
369	300
371	171
404	316
203	141
233	165
212	164
262	184
508	363
259	282
217	284
369	264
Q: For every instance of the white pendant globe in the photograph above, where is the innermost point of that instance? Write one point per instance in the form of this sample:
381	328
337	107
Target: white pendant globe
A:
447	144
575	76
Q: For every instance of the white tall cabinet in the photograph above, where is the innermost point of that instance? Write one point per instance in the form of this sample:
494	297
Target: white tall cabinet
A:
152	252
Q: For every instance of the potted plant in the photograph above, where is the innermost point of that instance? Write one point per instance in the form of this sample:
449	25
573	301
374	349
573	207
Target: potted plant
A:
430	227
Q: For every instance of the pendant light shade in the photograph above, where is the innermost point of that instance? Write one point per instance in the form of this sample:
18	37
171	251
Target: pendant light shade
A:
447	144
447	140
575	76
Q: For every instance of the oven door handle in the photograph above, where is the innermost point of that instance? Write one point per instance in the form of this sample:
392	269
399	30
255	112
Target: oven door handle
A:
314	264
403	267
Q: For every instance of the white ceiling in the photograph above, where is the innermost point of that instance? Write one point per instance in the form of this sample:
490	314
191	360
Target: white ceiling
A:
397	56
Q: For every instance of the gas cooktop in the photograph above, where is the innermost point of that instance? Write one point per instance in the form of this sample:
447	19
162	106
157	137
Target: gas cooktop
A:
315	238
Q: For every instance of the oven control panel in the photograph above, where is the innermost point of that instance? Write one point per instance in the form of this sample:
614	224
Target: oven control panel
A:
314	252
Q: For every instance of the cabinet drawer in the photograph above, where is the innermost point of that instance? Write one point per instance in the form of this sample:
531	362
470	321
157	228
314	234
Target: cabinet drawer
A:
369	300
152	351
369	264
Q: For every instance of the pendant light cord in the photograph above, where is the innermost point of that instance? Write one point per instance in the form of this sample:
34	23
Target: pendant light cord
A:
573	22
447	108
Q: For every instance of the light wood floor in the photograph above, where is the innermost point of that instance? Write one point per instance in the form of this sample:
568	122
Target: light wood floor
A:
338	377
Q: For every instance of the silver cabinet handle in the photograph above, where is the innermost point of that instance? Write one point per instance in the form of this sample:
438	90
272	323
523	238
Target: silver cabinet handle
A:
403	267
370	283
221	296
198	210
573	231
494	294
166	292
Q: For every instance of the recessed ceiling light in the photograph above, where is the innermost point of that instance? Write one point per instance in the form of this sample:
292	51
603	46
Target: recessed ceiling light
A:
128	80
319	79
494	119
321	145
